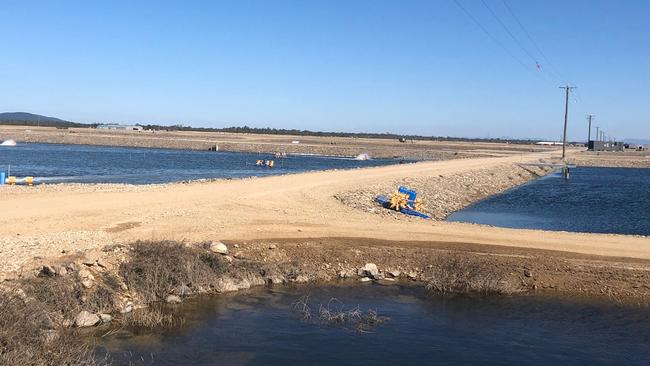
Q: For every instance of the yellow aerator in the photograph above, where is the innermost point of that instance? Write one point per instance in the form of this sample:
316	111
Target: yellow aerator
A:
12	180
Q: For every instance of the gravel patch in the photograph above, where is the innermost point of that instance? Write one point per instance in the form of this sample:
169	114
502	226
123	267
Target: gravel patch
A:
17	250
443	195
611	161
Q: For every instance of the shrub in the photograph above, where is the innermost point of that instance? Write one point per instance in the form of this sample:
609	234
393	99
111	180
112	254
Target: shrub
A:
155	268
25	337
463	274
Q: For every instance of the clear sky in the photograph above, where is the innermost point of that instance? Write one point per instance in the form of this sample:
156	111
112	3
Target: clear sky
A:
422	67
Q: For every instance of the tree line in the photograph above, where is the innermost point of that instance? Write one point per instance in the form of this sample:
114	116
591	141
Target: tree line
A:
274	131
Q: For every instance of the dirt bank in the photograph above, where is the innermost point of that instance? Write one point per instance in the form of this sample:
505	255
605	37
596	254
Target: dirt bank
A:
445	194
284	261
109	285
46	222
334	146
632	159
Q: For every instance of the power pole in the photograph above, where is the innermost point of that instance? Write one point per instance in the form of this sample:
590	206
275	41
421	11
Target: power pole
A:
589	117
567	90
597	133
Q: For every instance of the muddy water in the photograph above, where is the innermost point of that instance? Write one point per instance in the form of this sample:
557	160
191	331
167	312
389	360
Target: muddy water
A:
262	328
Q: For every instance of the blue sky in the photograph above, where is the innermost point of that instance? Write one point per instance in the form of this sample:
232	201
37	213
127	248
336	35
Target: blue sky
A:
422	67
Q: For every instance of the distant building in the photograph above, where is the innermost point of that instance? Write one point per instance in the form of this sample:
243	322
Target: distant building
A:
606	146
549	143
120	127
636	147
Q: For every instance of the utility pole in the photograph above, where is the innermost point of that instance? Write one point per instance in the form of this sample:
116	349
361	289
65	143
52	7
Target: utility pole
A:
589	118
597	133
567	90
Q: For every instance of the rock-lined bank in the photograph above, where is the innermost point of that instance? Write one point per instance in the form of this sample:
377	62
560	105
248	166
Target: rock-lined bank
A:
443	195
225	142
134	276
611	159
124	283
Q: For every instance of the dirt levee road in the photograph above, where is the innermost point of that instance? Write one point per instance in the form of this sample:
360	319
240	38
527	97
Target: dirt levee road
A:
262	143
45	221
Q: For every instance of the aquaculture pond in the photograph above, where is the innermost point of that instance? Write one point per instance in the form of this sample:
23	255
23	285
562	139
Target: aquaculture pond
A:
265	327
597	200
56	163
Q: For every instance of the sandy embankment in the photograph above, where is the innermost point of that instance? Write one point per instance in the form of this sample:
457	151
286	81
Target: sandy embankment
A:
79	220
46	220
628	159
444	194
258	143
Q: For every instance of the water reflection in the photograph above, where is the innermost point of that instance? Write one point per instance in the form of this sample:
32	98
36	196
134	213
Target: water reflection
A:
599	200
261	328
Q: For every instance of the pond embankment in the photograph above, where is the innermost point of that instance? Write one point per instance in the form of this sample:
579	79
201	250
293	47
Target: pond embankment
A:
122	284
255	143
444	194
635	159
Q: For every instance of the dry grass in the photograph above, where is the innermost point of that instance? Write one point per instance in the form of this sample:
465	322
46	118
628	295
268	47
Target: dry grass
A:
155	268
154	316
61	296
334	314
35	322
28	337
463	274
102	298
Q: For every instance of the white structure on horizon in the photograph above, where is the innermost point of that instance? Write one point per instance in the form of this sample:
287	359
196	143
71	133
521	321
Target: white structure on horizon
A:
549	143
120	127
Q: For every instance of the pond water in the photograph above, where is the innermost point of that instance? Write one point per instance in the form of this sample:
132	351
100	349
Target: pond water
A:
597	200
56	163
263	328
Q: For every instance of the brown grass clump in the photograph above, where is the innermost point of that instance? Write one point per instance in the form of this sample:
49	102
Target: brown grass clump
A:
463	274
151	317
332	316
155	268
102	298
28	337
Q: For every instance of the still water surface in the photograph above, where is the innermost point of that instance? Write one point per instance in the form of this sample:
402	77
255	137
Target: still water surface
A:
597	200
261	328
56	163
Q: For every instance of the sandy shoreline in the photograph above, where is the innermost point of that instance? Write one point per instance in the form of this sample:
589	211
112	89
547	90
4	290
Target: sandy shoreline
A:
255	143
44	222
631	159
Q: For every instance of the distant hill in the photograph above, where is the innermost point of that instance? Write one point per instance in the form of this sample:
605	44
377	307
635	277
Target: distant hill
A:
30	119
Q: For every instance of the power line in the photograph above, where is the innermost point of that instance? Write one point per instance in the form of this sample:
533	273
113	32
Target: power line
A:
530	38
490	35
505	27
